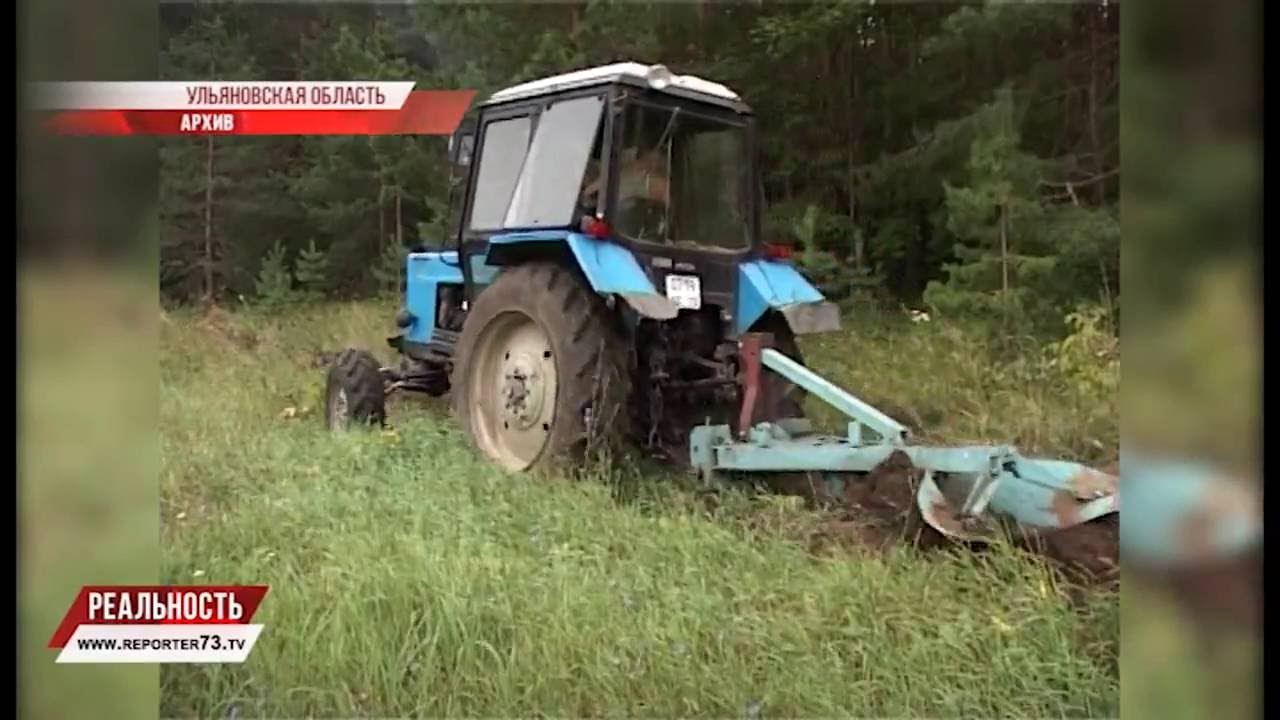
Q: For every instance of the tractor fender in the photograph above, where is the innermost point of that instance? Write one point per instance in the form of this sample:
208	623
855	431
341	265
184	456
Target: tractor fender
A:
765	285
610	269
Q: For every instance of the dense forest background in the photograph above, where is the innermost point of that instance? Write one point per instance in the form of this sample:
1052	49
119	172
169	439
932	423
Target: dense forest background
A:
959	158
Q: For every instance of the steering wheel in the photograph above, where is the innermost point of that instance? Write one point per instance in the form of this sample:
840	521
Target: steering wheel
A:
643	215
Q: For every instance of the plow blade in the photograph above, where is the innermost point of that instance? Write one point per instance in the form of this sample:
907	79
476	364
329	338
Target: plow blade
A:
1040	494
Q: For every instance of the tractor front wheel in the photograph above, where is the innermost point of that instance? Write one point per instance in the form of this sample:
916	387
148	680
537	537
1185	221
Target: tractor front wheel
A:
539	370
354	393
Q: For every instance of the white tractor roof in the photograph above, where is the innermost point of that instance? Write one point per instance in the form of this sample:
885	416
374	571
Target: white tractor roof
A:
657	76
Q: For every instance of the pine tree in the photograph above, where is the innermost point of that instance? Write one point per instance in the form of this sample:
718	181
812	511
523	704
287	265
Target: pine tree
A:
201	177
274	284
359	192
999	223
311	271
388	271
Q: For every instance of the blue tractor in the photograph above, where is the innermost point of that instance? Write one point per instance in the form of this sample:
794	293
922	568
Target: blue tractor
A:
605	277
603	264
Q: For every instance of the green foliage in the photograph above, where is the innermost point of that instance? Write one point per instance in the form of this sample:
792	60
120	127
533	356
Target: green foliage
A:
311	271
388	271
1018	260
1090	354
352	190
823	270
274	284
207	185
955	383
995	218
900	142
435	232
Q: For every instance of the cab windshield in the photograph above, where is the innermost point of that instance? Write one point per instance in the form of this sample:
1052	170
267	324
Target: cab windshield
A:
682	179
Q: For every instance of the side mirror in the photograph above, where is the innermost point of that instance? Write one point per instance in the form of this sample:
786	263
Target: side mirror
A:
460	147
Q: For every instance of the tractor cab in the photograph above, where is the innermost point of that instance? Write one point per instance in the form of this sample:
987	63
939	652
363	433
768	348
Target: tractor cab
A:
659	166
626	152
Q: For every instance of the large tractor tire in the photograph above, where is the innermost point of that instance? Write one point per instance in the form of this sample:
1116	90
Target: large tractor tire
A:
354	392
540	368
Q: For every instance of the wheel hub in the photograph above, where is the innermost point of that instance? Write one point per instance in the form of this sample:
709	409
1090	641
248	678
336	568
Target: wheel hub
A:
522	392
516	391
339	417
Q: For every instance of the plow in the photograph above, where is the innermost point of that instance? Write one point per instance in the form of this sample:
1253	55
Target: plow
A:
964	493
605	275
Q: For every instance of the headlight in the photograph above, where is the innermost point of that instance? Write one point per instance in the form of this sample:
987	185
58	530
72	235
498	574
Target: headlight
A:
659	77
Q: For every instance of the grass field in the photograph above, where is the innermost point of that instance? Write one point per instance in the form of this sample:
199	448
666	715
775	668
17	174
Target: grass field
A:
409	578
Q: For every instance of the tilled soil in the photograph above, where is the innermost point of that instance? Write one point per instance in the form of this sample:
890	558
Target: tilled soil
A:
1088	554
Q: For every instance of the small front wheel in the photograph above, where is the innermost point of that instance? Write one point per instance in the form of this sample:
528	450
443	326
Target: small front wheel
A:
354	393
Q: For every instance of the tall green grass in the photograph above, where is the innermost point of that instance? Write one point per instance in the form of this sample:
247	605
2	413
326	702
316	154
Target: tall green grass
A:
410	578
957	385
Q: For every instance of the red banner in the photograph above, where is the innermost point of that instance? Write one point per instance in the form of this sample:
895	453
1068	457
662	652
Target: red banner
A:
425	112
159	604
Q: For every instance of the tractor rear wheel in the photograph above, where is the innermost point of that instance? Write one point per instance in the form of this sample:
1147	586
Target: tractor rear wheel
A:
540	369
354	392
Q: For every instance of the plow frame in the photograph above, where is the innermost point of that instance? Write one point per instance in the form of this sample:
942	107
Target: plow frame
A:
962	489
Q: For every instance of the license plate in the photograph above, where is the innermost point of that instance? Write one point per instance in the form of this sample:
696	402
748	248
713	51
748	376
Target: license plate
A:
685	291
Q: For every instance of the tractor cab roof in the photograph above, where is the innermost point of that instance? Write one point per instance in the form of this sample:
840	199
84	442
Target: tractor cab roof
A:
653	77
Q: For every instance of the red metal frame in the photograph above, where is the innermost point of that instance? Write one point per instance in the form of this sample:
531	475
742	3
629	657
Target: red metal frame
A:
749	348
